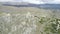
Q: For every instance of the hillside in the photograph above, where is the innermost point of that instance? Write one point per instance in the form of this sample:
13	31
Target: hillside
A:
29	20
33	10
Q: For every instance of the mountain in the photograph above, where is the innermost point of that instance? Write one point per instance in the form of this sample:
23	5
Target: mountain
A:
26	4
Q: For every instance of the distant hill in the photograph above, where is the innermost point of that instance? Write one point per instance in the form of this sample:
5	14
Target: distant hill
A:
26	4
34	10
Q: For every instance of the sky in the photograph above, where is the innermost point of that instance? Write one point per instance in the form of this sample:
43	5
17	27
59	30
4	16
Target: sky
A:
34	1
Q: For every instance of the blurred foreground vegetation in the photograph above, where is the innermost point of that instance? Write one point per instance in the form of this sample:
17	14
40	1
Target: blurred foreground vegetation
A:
46	20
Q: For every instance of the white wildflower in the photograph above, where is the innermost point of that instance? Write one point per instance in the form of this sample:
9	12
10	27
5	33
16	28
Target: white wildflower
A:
28	15
58	26
8	14
23	23
59	22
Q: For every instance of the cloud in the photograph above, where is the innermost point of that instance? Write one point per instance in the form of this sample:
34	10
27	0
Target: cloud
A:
35	1
29	1
51	1
56	2
5	0
47	0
